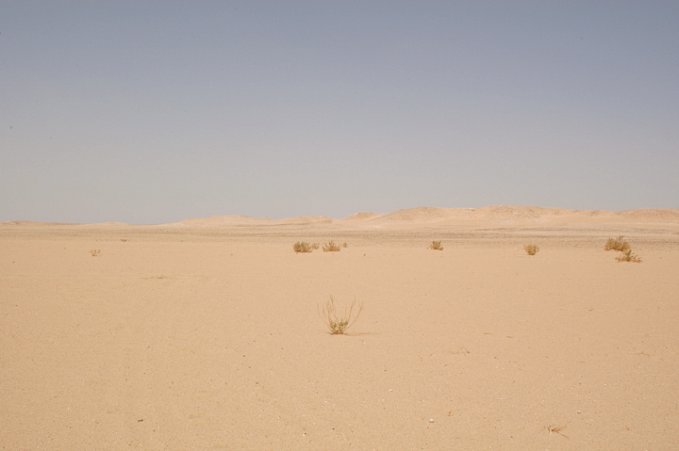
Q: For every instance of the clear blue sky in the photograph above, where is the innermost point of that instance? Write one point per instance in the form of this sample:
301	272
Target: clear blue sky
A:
154	111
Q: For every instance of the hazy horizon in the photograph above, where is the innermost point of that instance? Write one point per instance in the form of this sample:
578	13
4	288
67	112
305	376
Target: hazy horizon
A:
377	213
154	112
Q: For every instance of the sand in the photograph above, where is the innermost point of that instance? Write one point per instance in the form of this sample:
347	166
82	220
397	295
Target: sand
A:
205	334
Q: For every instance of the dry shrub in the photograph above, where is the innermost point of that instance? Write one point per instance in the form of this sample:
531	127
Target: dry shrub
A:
628	256
617	244
531	249
315	246
302	247
95	252
339	323
436	246
330	246
345	245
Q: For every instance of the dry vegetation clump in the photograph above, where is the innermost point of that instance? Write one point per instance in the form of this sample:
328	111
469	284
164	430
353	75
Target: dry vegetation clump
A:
302	247
622	245
531	249
436	246
95	252
628	256
617	244
338	323
330	246
345	245
315	246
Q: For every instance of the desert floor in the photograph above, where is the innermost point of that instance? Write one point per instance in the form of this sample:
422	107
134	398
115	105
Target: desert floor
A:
189	337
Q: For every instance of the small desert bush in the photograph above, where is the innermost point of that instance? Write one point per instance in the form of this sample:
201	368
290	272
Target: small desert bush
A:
95	252
302	247
617	244
628	256
345	245
531	249
330	246
436	246
315	246
339	323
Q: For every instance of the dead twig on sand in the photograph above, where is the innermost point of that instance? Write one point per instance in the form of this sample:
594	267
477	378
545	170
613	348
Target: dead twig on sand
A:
556	430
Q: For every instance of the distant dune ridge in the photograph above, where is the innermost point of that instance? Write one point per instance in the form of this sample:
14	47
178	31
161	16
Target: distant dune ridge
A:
431	216
501	214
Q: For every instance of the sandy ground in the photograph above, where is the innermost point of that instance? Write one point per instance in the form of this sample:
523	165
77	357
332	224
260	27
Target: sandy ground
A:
206	334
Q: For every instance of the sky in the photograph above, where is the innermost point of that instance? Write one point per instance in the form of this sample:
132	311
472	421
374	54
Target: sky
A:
156	111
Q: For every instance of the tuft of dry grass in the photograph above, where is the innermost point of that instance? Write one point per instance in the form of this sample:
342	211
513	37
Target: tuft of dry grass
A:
95	252
628	256
531	249
617	244
620	244
330	246
339	323
302	247
345	245
315	246
436	246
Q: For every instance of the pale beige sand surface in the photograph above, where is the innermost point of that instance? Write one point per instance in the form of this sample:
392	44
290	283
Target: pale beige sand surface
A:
205	334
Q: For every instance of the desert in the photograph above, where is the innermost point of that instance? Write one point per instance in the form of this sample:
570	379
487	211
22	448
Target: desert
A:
339	225
210	334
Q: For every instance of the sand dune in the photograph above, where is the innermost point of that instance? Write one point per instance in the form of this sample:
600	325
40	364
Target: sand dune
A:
503	213
221	221
485	216
451	216
305	220
362	216
655	214
419	215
